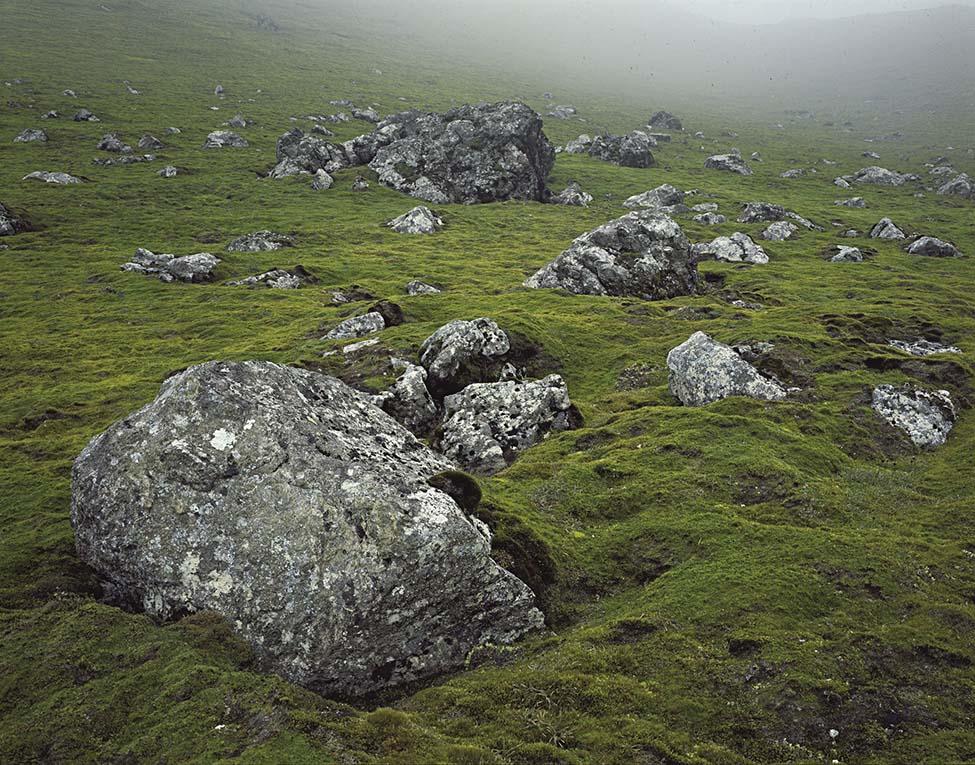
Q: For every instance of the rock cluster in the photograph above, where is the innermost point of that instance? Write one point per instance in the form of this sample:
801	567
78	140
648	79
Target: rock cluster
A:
169	268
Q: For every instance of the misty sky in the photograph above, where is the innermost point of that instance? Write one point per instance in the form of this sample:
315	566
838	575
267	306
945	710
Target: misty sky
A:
765	11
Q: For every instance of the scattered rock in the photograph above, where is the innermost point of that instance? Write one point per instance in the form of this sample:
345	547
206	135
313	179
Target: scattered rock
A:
237	121
881	176
366	115
463	352
30	135
854	202
113	142
737	248
842	183
731	163
286	502
962	186
352	294
321	181
794	173
922	347
172	131
169	268
218	91
277	278
580	145
60	179
871	155
10	223
886	229
51	115
416	287
261	241
170	171
642	254
572	196
563	112
703	370
419	220
83	115
665	121
665	198
487	425
357	326
124	159
631	150
925	416
150	142
705	207
933	248
710	219
847	255
221	139
761	212
779	231
360	184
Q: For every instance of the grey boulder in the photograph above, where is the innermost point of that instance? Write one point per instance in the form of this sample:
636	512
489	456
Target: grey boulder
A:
847	255
321	180
357	326
737	248
580	145
113	142
881	176
642	254
150	142
853	202
925	416
665	121
885	228
286	502
779	231
462	352
416	287
11	223
572	196
169	268
665	198
962	186
732	163
419	220
409	402
933	247
710	218
58	179
30	135
261	241
487	425
224	139
703	370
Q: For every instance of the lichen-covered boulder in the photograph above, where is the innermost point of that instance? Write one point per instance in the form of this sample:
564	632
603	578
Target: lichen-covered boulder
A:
10	223
57	178
630	150
703	370
298	153
642	254
409	402
881	176
885	228
150	142
113	142
732	163
261	241
277	279
844	254
289	504
463	352
737	248
665	198
482	153
665	121
169	268
710	218
486	425
572	196
419	220
779	231
762	212
925	416
961	186
933	247
223	139
31	135
357	326
852	202
417	287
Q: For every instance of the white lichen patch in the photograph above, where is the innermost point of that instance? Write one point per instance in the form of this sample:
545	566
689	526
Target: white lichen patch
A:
223	439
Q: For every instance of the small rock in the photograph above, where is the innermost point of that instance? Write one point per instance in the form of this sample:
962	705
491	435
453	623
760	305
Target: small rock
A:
237	121
30	135
886	229
416	287
170	171
261	241
366	115
112	142
572	196
357	326
60	179
779	231
321	181
925	416
419	220
580	145
220	139
881	176
933	248
360	184
710	219
10	223
847	255
665	198
83	115
737	248
854	202
665	121
149	141
562	112
731	163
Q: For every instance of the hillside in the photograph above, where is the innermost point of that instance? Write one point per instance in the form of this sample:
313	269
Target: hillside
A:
749	581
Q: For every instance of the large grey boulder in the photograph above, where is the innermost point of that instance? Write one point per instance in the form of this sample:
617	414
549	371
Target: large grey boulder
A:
223	139
665	198
642	254
487	425
885	228
482	153
630	150
261	241
58	179
925	416
665	121
419	220
961	185
779	231
462	352
169	268
922	347
286	502
409	401
703	370
732	163
10	223
933	247
31	135
737	248
881	176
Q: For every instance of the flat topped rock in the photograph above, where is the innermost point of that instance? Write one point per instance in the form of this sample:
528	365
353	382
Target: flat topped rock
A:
703	370
419	220
925	416
288	503
642	254
732	163
59	179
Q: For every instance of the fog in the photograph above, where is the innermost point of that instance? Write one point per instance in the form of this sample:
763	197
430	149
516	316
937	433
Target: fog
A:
895	53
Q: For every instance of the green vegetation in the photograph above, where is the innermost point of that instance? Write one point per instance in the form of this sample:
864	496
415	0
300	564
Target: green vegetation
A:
723	585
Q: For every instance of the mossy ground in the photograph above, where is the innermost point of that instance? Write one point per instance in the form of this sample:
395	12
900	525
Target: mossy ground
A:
723	585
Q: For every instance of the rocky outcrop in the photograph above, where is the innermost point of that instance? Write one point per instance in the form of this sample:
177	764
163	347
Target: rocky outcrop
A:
732	163
665	199
298	153
463	352
933	247
223	139
737	248
286	502
779	231
961	186
169	268
487	425
703	370
11	223
419	220
665	121
261	241
572	196
886	229
483	153
59	179
925	416
642	254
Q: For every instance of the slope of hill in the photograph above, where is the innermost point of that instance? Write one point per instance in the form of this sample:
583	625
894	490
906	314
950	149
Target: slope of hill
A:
744	582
